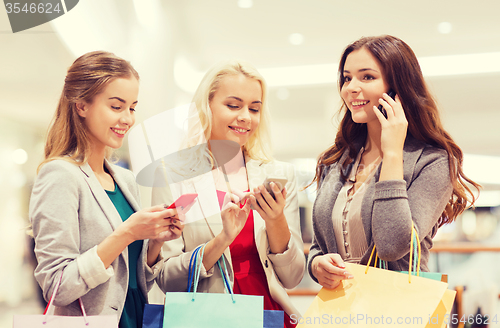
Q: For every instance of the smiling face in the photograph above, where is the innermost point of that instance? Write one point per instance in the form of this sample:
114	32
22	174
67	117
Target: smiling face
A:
111	113
363	85
236	107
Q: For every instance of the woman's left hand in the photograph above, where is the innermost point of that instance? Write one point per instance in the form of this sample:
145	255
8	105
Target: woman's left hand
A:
394	127
175	231
176	225
269	208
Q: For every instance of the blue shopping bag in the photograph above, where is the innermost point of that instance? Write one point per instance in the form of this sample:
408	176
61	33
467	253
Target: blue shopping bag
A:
274	319
153	316
209	310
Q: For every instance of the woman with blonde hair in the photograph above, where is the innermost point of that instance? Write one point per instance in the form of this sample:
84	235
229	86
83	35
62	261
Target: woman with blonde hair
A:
263	246
90	234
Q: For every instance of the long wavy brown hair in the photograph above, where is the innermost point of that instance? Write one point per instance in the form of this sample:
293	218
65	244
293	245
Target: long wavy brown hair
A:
401	71
87	77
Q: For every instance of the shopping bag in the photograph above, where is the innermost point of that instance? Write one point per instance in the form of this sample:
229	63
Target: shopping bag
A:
274	319
207	310
52	321
376	297
441	316
153	316
48	320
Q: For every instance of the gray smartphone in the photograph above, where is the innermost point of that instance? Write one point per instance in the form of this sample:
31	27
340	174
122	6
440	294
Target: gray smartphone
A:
279	181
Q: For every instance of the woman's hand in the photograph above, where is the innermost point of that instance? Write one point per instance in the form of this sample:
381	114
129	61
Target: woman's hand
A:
176	225
233	217
329	270
270	209
392	138
151	223
175	230
394	127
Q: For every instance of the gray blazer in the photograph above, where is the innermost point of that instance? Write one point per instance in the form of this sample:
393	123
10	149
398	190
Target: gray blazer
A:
389	207
71	214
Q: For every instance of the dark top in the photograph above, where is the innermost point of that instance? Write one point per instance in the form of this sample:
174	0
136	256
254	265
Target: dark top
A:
135	300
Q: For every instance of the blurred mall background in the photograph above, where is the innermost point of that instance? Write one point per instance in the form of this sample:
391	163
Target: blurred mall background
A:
296	45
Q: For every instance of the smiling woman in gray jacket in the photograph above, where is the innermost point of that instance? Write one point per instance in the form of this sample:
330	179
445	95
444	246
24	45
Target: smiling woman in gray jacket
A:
85	212
390	167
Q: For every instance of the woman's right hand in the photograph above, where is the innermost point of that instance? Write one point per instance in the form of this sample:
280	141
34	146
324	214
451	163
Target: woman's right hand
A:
233	217
233	221
149	223
329	270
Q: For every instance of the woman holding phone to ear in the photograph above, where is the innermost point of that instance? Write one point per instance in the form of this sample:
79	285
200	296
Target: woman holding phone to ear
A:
263	246
85	212
383	173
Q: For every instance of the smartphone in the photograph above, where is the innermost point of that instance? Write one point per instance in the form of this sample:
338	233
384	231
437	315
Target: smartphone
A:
381	108
279	181
184	201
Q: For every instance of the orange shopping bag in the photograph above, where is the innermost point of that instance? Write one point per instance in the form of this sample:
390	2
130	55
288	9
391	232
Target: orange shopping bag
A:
377	297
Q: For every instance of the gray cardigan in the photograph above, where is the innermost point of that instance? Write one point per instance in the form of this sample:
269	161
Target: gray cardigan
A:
71	214
388	207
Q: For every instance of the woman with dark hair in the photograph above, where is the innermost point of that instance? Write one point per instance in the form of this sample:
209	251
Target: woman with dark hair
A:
85	213
383	172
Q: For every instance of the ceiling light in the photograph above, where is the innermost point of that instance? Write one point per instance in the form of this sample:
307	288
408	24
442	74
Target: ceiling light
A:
148	13
444	27
460	64
185	75
20	156
245	4
282	93
482	169
296	39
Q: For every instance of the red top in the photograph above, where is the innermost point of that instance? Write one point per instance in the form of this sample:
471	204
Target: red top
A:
249	275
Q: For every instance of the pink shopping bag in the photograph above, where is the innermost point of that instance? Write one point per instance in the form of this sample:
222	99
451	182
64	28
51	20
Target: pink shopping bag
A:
48	320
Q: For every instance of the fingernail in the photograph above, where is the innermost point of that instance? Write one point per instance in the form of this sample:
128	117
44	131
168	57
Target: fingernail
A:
350	276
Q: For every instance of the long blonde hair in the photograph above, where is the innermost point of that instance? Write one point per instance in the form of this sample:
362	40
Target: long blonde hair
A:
87	77
258	146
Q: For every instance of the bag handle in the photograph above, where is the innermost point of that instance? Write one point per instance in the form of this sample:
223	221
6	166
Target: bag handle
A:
225	275
192	266
50	305
195	268
415	252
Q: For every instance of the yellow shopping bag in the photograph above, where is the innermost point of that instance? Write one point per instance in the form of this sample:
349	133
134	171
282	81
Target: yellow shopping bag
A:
377	297
441	316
